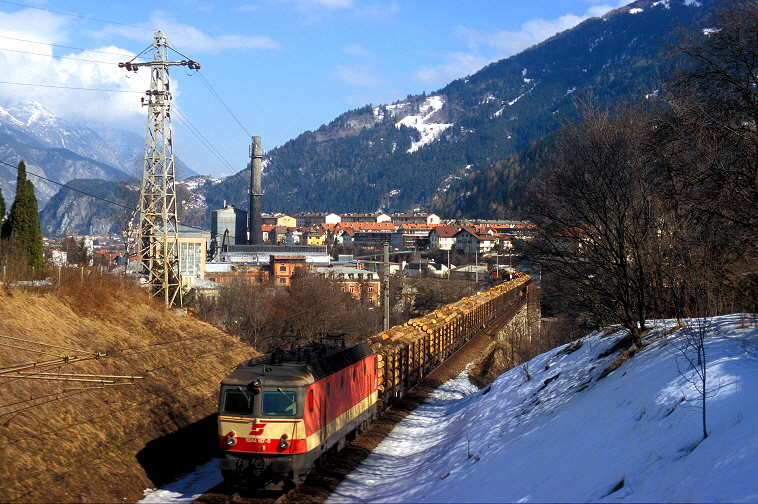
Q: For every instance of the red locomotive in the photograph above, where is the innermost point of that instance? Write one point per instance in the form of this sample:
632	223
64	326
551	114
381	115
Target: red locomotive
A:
279	416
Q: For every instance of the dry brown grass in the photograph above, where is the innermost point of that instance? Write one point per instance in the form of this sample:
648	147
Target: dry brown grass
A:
63	442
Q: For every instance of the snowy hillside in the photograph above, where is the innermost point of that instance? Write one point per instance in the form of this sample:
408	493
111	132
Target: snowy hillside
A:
424	122
566	435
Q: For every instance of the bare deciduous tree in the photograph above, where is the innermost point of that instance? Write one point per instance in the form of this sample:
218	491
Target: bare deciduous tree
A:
707	141
692	363
597	203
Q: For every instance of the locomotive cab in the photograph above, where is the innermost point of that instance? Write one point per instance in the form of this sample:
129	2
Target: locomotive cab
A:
261	428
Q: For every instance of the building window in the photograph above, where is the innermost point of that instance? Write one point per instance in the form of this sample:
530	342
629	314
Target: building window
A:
282	281
371	288
282	269
352	288
189	259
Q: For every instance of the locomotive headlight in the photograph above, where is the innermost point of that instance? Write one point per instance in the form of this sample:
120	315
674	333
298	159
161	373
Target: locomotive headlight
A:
230	438
283	442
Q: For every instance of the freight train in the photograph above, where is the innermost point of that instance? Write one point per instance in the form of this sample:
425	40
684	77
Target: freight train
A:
284	414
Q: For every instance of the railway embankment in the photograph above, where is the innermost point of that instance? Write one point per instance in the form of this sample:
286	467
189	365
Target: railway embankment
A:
101	390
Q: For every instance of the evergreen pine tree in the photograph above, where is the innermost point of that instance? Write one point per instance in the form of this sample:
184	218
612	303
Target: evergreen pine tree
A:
22	227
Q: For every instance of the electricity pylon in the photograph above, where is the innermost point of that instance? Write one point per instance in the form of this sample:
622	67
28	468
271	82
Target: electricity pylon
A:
158	233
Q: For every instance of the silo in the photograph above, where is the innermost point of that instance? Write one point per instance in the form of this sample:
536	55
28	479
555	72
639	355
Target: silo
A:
229	226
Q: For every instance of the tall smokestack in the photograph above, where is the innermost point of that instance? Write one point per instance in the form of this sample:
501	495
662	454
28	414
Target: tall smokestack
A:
256	192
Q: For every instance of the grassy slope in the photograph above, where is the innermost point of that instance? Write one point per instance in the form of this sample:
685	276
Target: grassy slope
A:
60	443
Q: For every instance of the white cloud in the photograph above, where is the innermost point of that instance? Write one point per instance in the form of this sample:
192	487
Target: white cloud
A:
501	44
359	75
248	8
357	50
189	38
379	13
458	65
54	81
331	4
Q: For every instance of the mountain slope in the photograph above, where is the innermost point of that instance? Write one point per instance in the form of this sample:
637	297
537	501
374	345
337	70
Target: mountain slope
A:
435	151
372	158
568	434
60	151
70	212
56	164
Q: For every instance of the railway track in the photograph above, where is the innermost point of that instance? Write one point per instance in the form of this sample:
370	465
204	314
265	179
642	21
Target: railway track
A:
322	482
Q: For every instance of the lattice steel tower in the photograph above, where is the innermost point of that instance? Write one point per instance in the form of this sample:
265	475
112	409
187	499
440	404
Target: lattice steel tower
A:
158	233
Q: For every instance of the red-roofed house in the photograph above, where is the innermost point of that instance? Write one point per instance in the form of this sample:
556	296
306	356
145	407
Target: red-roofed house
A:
442	237
469	241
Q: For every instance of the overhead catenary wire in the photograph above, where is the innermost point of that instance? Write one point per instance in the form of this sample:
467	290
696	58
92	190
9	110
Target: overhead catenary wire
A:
77	15
213	91
44	344
77	88
59	57
122	54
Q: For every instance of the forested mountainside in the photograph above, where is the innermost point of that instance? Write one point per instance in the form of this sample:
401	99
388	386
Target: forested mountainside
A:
407	155
459	151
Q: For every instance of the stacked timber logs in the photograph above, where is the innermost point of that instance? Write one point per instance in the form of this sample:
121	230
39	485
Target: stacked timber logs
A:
408	352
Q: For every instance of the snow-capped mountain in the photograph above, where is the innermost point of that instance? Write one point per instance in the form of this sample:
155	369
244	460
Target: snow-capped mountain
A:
31	121
56	151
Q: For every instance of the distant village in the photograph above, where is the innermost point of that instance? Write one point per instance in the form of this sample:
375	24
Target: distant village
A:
345	248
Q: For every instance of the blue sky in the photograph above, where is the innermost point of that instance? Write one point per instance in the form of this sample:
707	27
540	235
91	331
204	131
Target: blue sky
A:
281	66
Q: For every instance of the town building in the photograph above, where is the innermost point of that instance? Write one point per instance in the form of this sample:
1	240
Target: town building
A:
361	284
229	226
442	237
278	219
415	218
469	241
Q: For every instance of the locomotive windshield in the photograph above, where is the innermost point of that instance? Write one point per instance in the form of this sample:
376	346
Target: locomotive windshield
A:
238	401
279	403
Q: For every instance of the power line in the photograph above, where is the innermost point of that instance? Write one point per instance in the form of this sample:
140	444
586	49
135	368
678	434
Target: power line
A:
208	85
206	143
65	47
69	87
58	57
67	187
77	15
84	192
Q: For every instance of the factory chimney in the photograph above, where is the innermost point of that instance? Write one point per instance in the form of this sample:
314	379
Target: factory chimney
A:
256	193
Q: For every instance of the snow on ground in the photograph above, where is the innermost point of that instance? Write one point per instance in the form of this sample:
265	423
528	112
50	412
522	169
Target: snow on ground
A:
187	488
429	131
565	436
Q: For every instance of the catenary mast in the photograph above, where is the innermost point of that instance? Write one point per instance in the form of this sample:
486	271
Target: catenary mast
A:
158	230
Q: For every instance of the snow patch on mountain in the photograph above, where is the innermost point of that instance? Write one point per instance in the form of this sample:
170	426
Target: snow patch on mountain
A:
422	122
